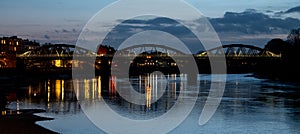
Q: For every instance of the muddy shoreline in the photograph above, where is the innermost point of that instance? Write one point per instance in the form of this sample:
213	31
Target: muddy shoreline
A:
22	122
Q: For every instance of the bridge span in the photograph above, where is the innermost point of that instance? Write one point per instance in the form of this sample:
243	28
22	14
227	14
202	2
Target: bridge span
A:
143	58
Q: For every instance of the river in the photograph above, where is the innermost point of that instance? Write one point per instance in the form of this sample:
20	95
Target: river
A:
248	105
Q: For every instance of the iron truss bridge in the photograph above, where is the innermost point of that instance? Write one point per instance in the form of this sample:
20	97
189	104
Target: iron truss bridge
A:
60	57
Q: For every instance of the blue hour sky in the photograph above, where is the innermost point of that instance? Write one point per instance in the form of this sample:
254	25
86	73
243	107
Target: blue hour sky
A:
60	21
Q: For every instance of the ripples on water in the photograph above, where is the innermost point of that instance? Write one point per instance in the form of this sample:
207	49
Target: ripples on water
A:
249	105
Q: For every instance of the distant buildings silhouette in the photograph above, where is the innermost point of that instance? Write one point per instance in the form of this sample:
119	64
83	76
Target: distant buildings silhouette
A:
10	46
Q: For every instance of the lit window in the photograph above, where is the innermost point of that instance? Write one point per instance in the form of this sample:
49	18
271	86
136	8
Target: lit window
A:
15	48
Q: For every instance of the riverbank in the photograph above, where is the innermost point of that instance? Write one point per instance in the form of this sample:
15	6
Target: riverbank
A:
22	121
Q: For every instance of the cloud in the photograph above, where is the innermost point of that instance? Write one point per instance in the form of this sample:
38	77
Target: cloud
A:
159	23
249	22
253	22
293	10
66	31
248	27
74	30
130	27
290	13
47	37
253	27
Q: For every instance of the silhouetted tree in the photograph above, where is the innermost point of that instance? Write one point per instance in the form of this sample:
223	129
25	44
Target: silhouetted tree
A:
288	67
293	57
294	37
278	46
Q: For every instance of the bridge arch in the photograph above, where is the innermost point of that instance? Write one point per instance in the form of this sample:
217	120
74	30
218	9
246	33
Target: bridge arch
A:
53	57
136	50
238	50
57	50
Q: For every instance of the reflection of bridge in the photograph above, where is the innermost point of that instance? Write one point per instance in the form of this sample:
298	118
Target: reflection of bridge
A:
60	58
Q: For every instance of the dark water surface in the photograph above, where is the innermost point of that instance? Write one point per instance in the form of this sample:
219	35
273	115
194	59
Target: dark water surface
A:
249	105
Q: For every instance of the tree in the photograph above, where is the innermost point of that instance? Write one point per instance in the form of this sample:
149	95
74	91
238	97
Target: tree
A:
294	37
278	46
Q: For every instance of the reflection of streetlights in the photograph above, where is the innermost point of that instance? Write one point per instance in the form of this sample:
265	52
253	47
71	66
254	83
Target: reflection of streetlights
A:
148	96
86	89
112	85
62	90
58	87
99	87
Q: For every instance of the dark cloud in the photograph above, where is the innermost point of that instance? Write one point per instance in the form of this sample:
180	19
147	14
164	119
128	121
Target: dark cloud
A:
247	22
66	31
249	27
162	24
292	10
74	30
47	37
253	22
130	27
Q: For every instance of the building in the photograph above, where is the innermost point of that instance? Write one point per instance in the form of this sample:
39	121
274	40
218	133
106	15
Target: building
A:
11	44
10	47
104	50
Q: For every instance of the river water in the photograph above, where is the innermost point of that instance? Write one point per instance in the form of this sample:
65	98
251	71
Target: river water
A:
248	105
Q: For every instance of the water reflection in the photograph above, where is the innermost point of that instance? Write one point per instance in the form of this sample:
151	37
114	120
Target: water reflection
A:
54	95
62	95
160	94
157	88
248	104
148	96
